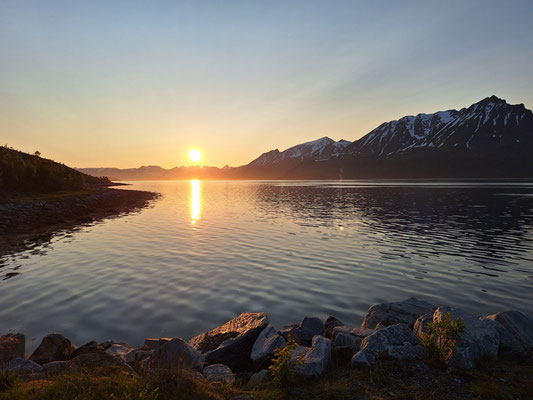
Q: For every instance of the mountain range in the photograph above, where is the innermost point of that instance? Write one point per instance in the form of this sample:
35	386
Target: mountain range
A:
489	139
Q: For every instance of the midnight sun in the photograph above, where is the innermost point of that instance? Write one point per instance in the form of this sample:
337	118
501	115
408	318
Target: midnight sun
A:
195	155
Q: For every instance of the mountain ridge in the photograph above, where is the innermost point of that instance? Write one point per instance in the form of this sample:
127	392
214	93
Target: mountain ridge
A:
490	138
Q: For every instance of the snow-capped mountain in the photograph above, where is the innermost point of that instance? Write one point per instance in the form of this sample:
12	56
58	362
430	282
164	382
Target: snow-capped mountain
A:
322	148
491	122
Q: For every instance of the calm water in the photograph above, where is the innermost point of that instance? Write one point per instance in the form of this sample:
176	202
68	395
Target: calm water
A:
207	251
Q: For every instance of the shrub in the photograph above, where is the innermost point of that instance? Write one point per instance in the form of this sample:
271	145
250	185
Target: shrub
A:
283	370
439	341
7	379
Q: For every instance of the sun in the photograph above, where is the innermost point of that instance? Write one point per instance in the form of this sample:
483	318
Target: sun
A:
195	155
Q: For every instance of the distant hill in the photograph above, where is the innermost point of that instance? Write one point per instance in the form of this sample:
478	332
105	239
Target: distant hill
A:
26	173
489	139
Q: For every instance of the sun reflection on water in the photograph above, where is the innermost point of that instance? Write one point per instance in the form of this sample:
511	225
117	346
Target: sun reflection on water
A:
195	200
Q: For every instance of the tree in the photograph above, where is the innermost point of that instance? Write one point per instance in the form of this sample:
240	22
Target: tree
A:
37	153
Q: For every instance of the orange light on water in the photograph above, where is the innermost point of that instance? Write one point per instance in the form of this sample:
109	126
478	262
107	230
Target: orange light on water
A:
195	200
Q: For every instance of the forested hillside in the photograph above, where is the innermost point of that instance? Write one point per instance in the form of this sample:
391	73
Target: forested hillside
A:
25	173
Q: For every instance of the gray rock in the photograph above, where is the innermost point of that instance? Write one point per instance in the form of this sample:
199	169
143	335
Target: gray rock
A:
219	373
152	344
341	356
510	348
12	345
176	352
303	332
259	378
331	322
231	344
406	352
97	359
54	347
108	343
23	366
267	341
54	367
86	348
347	340
478	339
383	340
519	324
118	350
359	332
317	358
401	312
137	355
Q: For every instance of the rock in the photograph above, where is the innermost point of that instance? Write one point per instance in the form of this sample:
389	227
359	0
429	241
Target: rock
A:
519	324
510	348
137	355
478	339
231	344
331	322
383	340
219	373
86	348
12	345
317	358
54	347
267	341
401	312
406	352
108	343
347	340
118	350
176	352
259	378
303	332
359	332
23	366
54	367
152	344
97	359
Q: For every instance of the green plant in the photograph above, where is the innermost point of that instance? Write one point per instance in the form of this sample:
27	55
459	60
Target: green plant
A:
283	370
7	379
439	340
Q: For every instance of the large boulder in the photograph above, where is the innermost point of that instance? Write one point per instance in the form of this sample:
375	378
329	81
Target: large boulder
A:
359	332
23	366
304	332
219	373
401	312
175	353
152	344
519	324
54	367
386	339
315	359
479	338
54	347
331	322
231	344
510	347
96	360
12	345
266	343
259	378
118	350
86	348
346	340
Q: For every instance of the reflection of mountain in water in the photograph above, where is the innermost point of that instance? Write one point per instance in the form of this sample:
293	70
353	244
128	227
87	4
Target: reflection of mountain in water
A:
482	225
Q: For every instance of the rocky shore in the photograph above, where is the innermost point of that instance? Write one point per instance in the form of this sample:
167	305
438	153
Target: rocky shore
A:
241	350
28	222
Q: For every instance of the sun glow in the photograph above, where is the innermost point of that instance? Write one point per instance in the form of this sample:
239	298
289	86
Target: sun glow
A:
195	155
195	200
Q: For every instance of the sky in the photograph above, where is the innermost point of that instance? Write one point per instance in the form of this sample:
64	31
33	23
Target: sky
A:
130	83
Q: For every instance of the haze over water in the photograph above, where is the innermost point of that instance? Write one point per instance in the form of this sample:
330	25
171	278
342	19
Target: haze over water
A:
208	250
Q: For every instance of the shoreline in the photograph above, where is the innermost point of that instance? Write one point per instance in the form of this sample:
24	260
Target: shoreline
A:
386	357
32	220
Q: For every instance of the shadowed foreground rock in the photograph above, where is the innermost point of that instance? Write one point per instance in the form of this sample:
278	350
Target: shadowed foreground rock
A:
54	347
175	353
401	312
231	344
12	345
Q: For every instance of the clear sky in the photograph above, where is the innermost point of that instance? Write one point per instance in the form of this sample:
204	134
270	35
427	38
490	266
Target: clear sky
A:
131	83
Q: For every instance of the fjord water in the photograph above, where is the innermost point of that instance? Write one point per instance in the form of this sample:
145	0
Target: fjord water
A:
206	251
